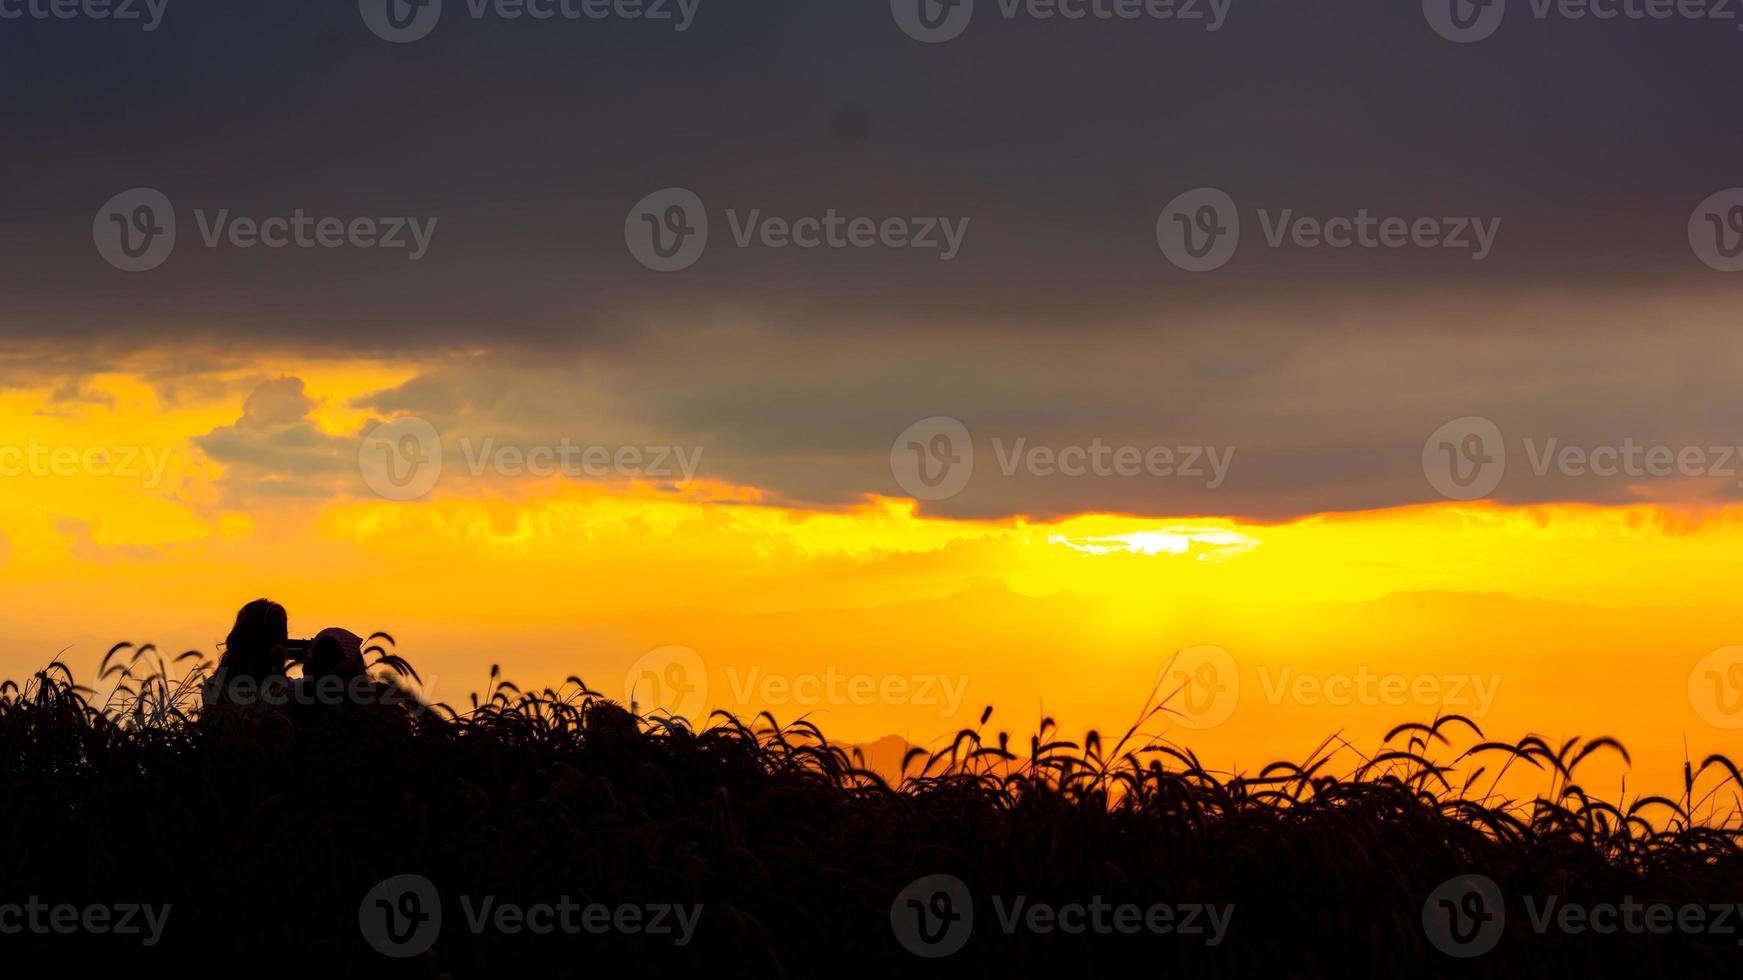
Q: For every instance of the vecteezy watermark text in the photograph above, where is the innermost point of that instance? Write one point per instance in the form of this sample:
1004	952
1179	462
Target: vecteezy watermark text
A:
673	680
1201	229
1466	458
148	14
1469	21
934	916
569	917
1202	685
667	231
756	689
301	231
934	458
404	21
403	459
937	21
1466	916
136	230
571	459
38	917
37	459
326	691
402	916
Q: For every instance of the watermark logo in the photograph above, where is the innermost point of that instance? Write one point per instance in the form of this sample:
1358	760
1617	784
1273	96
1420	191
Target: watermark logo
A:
1467	694
933	916
1716	230
300	230
571	459
1634	917
401	916
401	21
937	21
1200	229
572	918
667	231
1098	916
1200	686
147	13
675	681
933	459
401	459
1464	21
149	464
932	21
1465	916
1465	458
754	691
324	691
1716	688
135	230
41	918
670	680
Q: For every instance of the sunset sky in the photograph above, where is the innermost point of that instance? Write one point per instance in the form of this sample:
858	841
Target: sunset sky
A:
177	441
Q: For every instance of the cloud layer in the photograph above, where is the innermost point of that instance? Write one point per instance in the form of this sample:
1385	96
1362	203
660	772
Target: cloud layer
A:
1583	144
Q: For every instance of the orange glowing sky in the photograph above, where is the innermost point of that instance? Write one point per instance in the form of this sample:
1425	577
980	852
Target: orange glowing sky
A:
873	618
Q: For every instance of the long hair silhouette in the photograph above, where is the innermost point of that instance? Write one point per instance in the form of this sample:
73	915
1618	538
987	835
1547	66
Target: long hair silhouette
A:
255	648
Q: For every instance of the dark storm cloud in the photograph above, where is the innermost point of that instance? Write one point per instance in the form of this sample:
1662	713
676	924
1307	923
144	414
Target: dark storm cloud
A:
1060	141
507	155
1304	418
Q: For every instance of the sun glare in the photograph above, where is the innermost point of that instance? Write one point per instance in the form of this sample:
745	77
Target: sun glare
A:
1199	543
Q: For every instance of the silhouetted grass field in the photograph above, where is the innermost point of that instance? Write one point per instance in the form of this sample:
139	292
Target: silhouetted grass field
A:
265	829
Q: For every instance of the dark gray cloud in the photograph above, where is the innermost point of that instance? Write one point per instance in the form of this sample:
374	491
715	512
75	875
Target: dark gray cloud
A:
528	142
1307	415
1060	321
275	450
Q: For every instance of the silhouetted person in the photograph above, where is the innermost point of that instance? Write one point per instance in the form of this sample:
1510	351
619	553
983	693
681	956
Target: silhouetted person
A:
254	654
337	653
336	681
